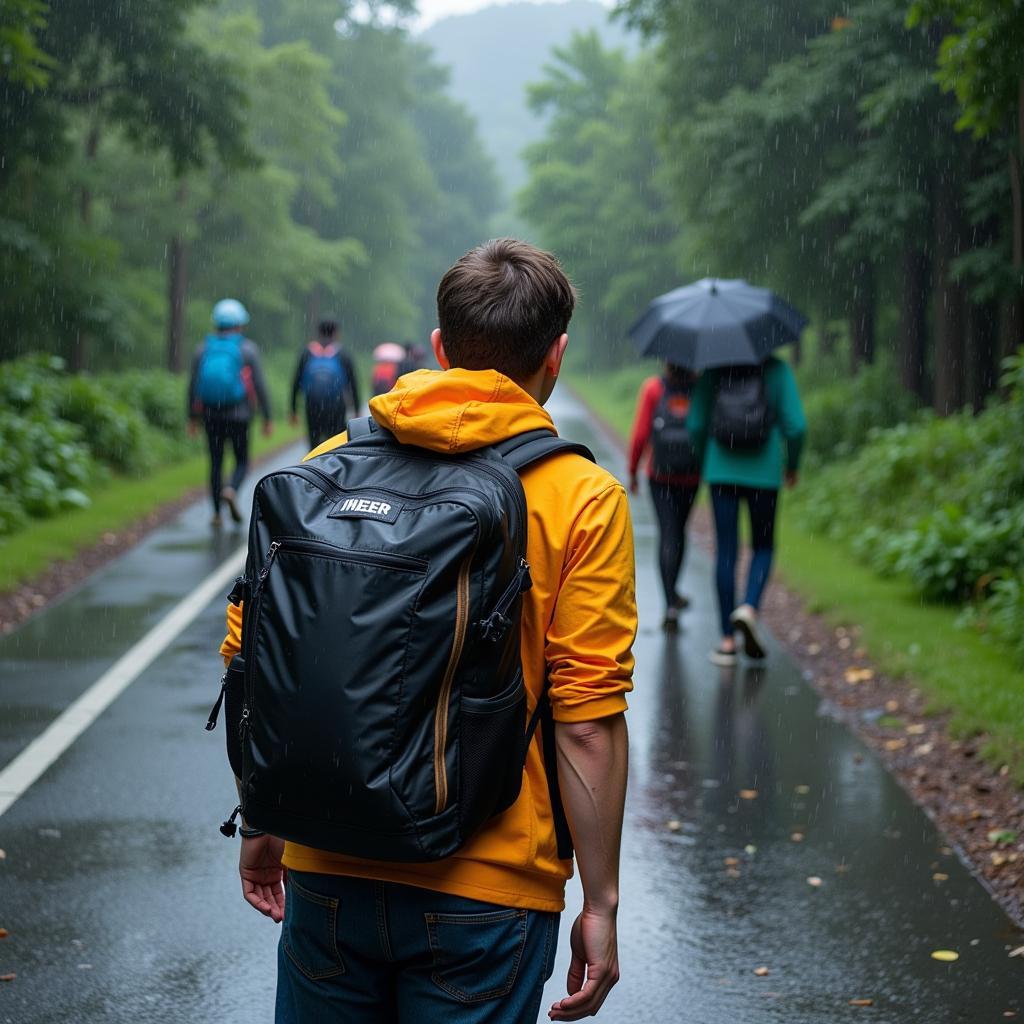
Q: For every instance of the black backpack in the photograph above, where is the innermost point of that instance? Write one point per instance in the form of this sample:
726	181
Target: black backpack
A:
742	418
672	453
382	711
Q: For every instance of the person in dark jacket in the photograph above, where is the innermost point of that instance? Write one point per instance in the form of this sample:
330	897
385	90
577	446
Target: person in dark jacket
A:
673	473
326	377
225	385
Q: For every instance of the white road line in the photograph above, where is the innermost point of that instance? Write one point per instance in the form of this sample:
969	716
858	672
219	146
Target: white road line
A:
20	773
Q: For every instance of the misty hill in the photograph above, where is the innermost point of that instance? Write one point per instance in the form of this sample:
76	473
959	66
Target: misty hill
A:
495	52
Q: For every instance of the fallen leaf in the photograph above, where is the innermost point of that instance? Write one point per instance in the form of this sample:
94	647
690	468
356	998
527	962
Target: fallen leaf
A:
946	956
917	730
797	837
1019	951
732	873
814	882
1002	836
731	862
750	849
3	933
844	644
674	826
803	790
813	649
940	877
892	706
857	675
761	972
998	859
748	794
895	744
8	977
923	748
862	1002
3	855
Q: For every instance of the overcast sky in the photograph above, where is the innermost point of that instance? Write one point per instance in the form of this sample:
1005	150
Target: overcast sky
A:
431	10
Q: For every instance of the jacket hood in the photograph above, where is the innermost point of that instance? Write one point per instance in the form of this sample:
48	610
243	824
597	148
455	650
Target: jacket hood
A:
457	410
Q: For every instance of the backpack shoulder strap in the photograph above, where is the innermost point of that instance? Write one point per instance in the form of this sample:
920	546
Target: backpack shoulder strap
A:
525	449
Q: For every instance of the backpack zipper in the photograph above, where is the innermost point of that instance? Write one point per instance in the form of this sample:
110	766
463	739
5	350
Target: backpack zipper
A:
444	696
496	625
383	559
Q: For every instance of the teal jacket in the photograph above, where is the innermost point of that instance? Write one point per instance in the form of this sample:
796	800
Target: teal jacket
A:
762	467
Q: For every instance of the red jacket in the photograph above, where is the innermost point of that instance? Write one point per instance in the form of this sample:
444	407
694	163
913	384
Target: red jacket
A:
640	442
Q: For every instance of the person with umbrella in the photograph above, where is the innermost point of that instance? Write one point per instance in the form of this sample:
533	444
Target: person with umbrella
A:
745	420
660	437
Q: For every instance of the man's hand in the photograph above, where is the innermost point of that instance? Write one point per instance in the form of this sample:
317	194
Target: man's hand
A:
634	484
268	428
262	874
792	478
193	428
594	968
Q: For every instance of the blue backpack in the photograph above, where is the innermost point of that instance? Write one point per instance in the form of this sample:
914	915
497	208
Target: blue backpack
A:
220	382
324	379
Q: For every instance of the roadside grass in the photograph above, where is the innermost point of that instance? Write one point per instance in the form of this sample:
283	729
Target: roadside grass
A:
115	505
958	670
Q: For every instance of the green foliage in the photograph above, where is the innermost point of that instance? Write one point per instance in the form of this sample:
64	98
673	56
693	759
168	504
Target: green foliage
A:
846	413
60	434
597	195
939	502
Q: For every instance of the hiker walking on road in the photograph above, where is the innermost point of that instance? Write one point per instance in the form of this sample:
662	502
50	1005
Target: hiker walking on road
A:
326	377
741	418
225	384
402	632
661	437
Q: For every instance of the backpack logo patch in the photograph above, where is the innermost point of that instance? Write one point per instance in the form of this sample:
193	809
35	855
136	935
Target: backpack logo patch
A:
367	506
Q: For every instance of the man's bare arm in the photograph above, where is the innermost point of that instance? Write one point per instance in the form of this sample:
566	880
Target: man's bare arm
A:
592	769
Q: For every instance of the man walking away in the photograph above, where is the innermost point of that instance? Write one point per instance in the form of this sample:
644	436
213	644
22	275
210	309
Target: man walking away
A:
740	418
472	937
226	381
326	376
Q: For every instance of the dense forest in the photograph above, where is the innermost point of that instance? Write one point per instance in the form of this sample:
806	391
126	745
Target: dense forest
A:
866	163
158	156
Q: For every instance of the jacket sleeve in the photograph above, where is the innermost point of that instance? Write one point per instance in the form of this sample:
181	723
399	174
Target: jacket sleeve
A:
699	414
792	421
259	382
300	369
650	395
589	642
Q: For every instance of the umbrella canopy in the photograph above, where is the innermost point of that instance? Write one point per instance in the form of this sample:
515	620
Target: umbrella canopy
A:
716	322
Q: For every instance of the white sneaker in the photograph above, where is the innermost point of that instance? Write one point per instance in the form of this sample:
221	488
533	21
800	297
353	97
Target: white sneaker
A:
745	621
721	657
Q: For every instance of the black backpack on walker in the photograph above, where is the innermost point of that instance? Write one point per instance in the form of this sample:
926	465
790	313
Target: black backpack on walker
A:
381	710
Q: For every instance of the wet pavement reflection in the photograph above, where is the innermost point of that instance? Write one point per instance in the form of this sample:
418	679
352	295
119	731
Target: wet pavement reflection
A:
122	902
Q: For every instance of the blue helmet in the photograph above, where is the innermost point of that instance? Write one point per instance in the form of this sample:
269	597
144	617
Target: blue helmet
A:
230	313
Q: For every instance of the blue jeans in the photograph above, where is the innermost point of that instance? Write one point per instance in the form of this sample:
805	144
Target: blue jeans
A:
725	502
356	951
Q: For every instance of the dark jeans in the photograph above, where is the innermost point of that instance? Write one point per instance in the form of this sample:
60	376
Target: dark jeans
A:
324	421
366	952
672	505
219	431
762	503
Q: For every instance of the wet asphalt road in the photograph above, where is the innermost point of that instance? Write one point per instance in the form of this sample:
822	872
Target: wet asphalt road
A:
122	901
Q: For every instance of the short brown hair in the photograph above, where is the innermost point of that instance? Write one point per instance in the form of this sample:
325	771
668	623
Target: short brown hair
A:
501	306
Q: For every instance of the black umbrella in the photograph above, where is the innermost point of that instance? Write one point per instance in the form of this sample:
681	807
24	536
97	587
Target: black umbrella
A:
716	323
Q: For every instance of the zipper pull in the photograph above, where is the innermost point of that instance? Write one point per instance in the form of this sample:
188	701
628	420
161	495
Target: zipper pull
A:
229	828
238	590
525	579
243	720
269	561
211	722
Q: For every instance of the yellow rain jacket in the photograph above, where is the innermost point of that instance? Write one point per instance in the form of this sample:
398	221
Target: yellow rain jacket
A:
579	623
